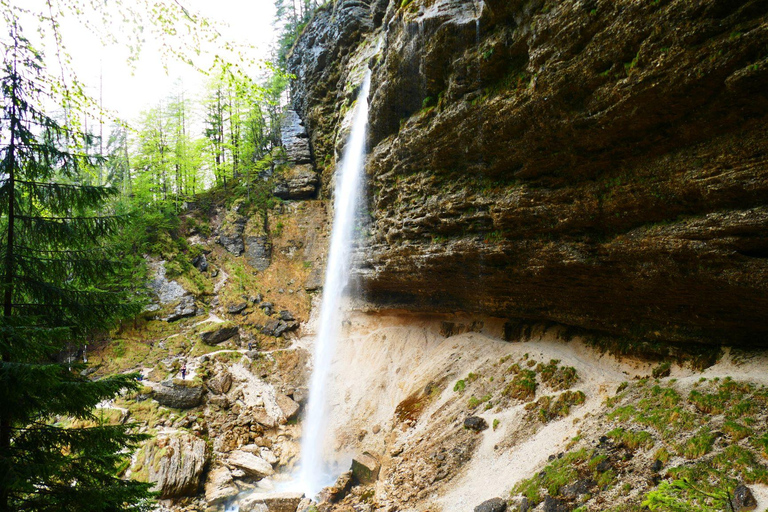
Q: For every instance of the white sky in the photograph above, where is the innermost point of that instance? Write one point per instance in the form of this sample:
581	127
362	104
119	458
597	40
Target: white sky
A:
128	91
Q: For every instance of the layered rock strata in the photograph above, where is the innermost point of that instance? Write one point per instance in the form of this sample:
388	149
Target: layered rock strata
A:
601	164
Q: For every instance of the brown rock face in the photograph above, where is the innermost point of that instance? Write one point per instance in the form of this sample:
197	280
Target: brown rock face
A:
601	164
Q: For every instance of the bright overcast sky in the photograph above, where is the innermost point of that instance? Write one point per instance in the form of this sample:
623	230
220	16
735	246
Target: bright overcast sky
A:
128	91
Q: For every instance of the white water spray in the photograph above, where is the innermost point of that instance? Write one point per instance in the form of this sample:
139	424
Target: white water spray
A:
316	472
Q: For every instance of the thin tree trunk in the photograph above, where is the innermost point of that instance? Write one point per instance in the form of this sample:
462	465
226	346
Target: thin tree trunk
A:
5	418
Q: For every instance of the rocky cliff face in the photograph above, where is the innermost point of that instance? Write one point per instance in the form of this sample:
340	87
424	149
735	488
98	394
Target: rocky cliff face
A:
601	164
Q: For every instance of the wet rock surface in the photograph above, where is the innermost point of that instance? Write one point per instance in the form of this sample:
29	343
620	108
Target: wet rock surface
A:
649	212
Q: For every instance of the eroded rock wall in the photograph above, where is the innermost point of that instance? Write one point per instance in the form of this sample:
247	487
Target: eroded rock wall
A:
601	164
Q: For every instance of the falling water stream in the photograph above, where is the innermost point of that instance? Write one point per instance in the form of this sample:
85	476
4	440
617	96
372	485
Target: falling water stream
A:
315	471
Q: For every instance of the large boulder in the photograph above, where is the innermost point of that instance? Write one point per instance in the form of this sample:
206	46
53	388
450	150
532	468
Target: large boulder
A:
218	334
175	464
252	465
178	396
219	486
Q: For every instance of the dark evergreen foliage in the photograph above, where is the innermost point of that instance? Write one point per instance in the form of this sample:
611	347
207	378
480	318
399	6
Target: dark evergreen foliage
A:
60	280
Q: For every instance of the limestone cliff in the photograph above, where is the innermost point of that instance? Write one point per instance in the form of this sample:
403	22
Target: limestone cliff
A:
601	164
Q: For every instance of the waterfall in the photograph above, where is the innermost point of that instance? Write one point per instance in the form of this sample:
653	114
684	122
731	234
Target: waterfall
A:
315	472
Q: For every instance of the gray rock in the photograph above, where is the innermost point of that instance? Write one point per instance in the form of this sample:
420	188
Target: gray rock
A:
299	182
365	468
186	308
286	315
577	488
251	464
167	291
220	335
276	328
178	397
270	327
300	395
231	236
492	505
475	423
200	262
176	465
259	252
553	505
265	305
295	139
237	308
743	499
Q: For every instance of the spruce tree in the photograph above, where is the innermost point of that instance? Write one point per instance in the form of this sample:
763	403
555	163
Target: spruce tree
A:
59	282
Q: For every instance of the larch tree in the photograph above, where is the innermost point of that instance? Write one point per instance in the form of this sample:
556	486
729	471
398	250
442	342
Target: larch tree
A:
60	281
